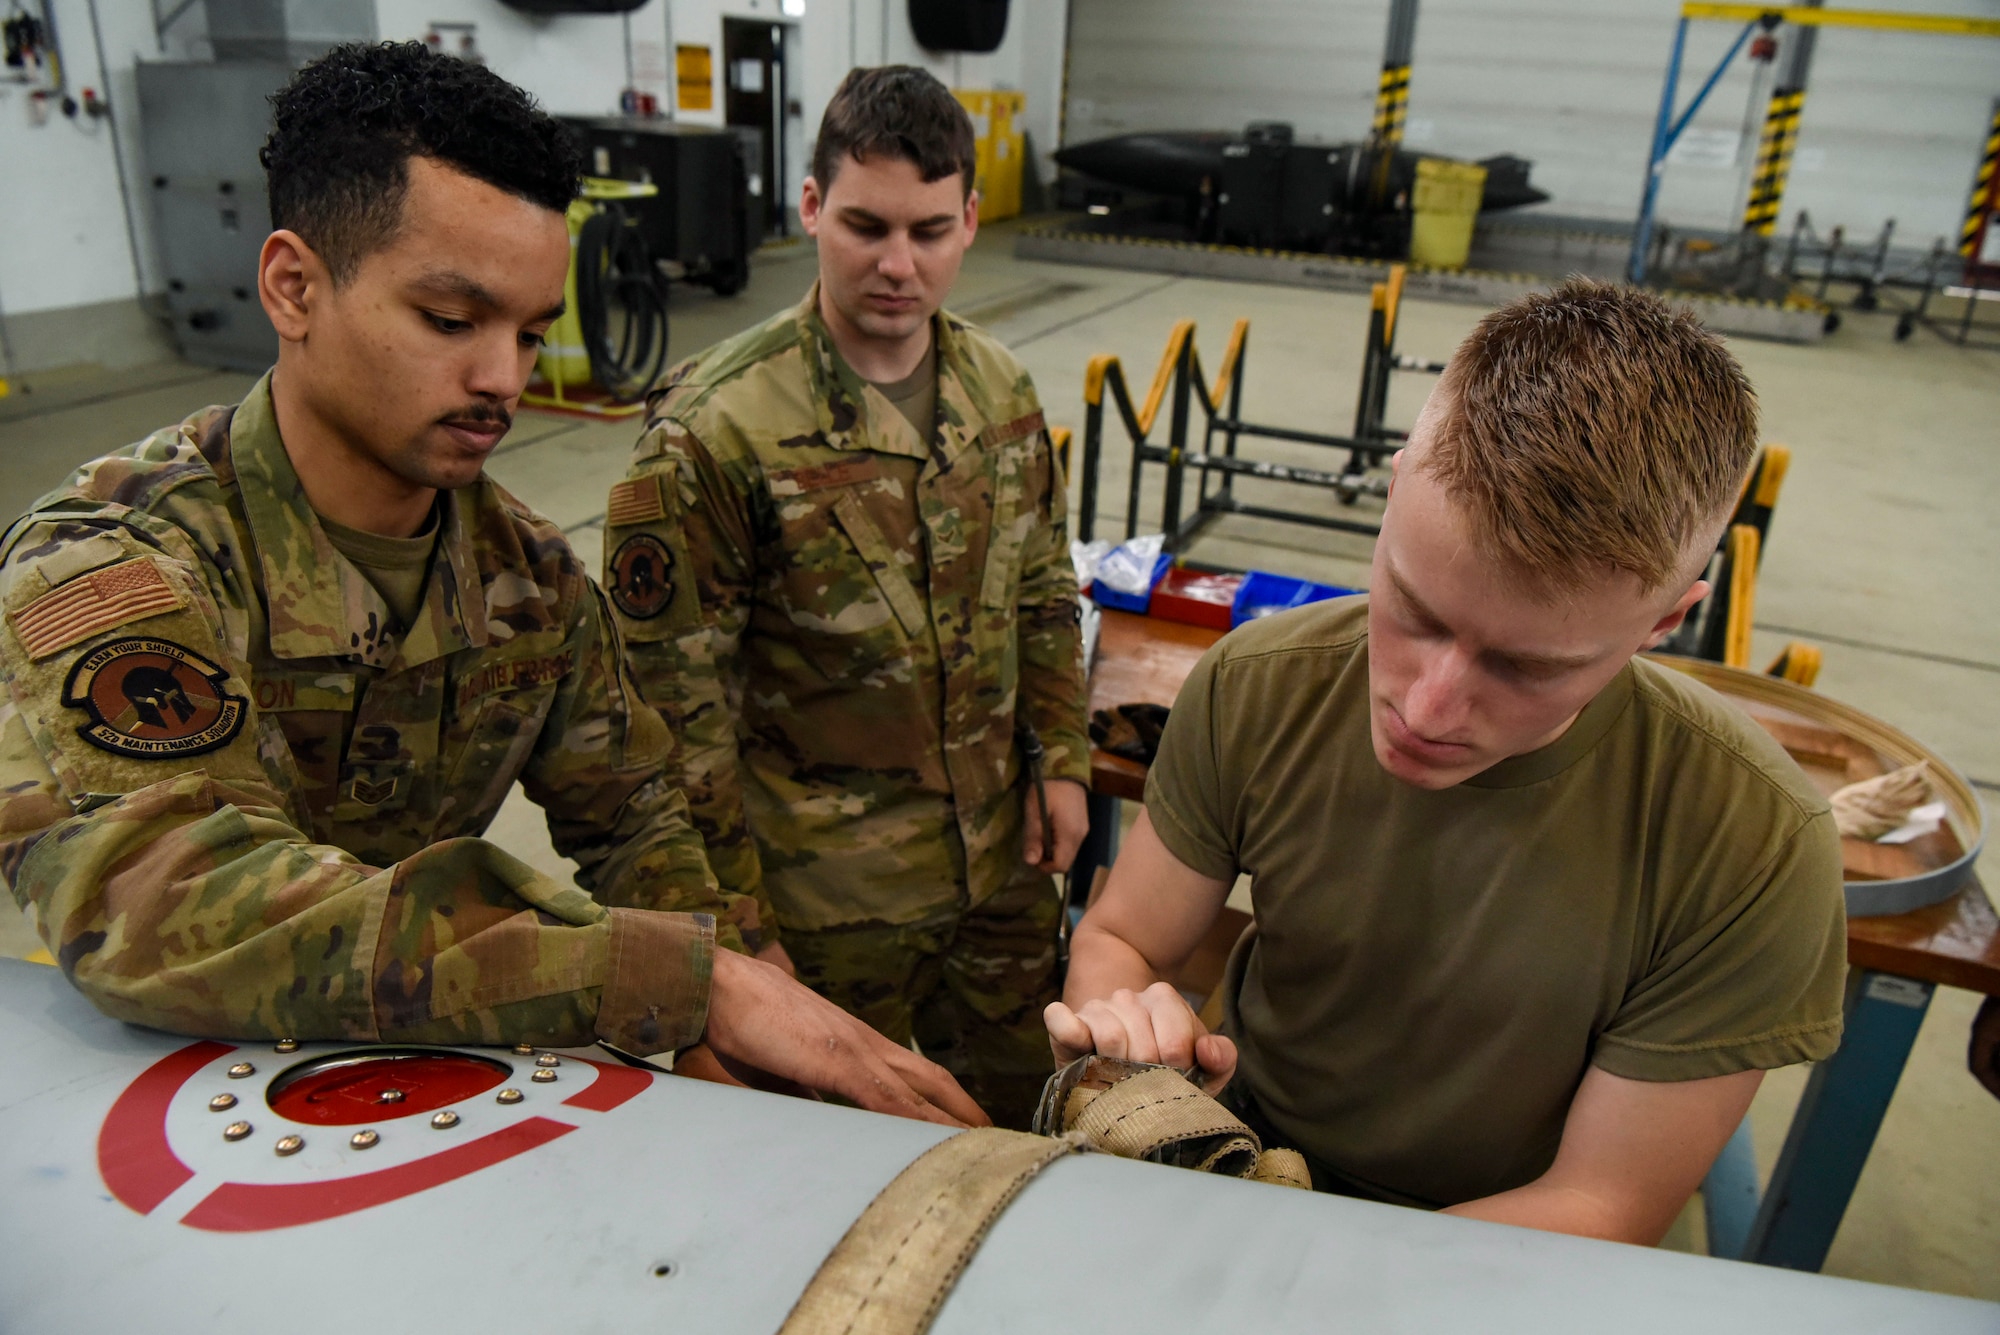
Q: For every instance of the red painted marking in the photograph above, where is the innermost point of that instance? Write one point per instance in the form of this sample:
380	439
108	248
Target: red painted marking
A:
613	1086
342	1090
133	1155
242	1207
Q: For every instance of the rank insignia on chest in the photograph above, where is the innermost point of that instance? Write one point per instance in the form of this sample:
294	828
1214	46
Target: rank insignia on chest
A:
153	699
372	792
642	576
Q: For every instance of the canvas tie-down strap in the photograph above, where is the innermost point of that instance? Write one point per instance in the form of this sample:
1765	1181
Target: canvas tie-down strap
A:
898	1262
1138	1111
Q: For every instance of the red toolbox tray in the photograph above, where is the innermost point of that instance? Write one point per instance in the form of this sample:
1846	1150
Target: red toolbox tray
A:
1196	598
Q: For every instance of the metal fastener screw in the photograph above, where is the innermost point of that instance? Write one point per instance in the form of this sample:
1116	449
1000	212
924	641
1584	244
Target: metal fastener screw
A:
391	1096
222	1103
524	1049
236	1131
241	1069
285	1045
445	1120
508	1096
548	1059
364	1140
289	1145
543	1077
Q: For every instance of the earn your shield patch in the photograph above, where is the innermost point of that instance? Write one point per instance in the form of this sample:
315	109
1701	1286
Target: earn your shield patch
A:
153	699
642	576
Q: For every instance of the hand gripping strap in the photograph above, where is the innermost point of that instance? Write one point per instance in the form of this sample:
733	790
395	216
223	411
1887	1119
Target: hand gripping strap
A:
898	1262
1139	1111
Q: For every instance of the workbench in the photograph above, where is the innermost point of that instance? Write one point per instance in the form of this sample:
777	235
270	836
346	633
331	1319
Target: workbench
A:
1895	964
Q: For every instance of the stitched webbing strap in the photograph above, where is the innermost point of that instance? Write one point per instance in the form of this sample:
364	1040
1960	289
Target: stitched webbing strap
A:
1138	1111
1145	1114
900	1259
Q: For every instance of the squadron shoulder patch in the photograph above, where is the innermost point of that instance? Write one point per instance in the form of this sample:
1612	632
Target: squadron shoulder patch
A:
78	609
153	699
642	576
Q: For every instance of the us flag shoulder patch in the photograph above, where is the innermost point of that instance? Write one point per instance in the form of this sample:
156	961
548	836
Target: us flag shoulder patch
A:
635	501
89	603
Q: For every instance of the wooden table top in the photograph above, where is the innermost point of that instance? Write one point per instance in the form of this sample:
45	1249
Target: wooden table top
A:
1141	660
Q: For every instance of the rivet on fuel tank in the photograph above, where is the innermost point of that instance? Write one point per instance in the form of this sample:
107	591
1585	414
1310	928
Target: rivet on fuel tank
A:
391	1096
524	1049
222	1103
548	1059
240	1070
544	1076
236	1131
289	1145
285	1045
445	1120
364	1140
509	1096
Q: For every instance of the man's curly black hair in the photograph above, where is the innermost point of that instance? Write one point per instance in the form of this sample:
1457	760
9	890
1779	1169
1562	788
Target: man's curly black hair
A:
336	164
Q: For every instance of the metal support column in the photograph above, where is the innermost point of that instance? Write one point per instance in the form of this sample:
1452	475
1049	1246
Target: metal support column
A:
1666	130
1836	1123
1392	95
1781	130
1982	202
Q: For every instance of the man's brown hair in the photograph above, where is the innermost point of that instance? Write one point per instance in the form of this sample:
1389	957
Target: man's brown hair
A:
901	112
1593	428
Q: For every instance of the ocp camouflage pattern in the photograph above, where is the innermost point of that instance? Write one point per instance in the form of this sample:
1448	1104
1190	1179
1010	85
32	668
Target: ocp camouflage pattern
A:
318	874
857	619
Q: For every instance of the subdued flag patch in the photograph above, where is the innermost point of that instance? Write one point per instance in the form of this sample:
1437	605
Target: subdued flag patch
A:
635	501
90	603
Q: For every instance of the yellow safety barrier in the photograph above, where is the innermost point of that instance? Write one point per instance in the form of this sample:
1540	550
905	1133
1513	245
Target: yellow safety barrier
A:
1777	462
1742	595
1100	367
1798	662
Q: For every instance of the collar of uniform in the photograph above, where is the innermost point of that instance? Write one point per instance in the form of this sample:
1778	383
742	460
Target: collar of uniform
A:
854	415
1591	724
312	615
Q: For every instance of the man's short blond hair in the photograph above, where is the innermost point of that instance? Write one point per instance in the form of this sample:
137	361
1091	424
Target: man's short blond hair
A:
1593	428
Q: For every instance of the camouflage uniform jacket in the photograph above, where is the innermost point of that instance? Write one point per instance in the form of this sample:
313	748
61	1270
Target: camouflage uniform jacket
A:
239	804
844	622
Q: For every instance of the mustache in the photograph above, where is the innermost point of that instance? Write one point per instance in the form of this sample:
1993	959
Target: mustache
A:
481	412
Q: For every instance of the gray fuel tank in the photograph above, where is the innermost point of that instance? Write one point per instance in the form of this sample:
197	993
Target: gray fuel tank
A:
614	1199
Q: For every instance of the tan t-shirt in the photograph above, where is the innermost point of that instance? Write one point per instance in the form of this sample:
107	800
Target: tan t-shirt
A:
915	395
397	567
1657	893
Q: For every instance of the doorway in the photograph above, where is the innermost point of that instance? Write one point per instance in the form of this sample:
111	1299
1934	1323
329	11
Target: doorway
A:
757	97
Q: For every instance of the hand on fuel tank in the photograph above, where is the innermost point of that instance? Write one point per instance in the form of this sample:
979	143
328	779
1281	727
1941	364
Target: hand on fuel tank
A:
1069	813
1156	1025
759	1017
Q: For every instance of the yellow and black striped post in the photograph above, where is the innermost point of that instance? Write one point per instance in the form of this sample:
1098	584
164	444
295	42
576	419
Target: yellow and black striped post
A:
1774	161
1982	202
1392	102
1392	94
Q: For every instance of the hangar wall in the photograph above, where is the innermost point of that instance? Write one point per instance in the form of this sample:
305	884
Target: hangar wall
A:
1892	125
71	273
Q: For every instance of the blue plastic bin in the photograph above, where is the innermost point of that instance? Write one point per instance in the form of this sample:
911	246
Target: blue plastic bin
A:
1264	593
1104	596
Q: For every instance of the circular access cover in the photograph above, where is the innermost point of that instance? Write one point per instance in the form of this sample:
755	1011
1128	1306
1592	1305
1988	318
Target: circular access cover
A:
347	1089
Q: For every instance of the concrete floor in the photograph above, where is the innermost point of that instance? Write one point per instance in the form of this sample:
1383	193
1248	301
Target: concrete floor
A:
1883	552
